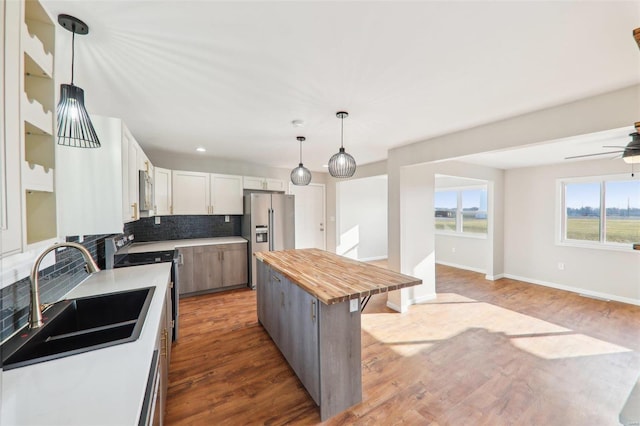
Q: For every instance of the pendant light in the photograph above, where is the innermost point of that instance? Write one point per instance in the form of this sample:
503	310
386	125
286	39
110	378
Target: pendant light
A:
342	165
300	175
74	126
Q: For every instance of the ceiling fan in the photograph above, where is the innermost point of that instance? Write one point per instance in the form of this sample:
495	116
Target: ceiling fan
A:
631	152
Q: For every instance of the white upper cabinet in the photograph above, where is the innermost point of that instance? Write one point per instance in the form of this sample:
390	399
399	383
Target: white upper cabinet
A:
90	183
263	184
226	194
162	191
206	193
190	192
97	189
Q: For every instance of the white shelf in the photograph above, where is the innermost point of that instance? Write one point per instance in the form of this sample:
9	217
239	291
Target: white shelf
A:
34	113
37	178
42	64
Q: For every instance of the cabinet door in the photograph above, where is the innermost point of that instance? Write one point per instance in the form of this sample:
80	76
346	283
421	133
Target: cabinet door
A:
10	192
132	170
226	194
275	303
275	185
303	323
252	182
207	271
162	191
185	270
190	192
234	264
261	283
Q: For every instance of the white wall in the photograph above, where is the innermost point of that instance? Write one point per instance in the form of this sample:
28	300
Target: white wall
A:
362	218
462	252
603	112
531	252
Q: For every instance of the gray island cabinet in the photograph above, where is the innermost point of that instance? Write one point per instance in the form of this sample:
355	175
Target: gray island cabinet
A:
309	303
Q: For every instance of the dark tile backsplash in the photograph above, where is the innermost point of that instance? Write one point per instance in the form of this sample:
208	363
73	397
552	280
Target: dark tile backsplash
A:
68	271
55	281
184	227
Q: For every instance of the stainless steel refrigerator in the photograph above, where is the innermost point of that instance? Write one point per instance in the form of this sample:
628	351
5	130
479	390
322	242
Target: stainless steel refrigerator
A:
268	224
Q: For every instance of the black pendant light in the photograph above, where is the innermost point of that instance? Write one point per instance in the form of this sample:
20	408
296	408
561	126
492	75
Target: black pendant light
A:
74	126
300	175
342	165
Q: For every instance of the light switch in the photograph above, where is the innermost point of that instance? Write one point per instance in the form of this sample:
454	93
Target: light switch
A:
157	220
226	218
353	305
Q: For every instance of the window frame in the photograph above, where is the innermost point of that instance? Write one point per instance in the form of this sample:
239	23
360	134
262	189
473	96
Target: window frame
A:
561	214
459	212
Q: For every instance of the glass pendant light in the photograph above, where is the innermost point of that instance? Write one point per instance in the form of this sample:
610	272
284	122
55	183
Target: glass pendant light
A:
74	126
342	165
300	175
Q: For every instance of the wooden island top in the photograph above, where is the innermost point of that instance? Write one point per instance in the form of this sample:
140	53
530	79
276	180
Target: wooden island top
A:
333	278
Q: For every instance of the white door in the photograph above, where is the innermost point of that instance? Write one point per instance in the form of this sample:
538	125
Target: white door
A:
310	215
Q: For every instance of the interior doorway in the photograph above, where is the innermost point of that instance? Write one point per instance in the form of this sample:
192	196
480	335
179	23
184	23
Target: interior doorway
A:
310	215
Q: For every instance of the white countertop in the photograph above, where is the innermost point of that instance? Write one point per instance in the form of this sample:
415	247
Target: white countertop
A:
101	387
174	244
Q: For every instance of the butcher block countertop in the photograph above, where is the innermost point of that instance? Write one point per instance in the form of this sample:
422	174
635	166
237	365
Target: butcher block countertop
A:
332	278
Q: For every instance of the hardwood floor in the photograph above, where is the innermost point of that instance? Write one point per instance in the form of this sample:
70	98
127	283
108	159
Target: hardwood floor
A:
483	353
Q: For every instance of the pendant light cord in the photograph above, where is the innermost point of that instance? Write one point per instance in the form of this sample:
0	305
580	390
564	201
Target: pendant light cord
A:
300	152
73	50
342	132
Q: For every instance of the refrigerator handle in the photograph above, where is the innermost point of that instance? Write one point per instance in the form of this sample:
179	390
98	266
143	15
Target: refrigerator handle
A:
271	233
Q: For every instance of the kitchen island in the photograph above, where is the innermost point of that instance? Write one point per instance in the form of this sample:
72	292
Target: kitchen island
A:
309	301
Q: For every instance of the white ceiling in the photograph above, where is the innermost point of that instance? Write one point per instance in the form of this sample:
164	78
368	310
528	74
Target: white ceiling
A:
231	76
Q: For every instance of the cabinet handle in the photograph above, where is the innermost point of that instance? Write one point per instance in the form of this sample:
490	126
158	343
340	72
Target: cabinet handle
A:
222	254
146	166
180	259
163	344
313	311
281	298
134	206
171	209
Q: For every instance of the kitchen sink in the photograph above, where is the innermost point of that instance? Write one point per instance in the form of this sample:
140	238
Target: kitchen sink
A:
80	325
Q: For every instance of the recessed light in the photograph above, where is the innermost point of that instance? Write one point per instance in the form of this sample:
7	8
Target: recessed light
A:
297	123
201	149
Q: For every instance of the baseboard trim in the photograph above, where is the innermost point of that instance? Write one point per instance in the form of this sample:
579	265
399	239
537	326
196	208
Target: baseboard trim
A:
395	307
424	298
465	267
573	289
371	259
494	277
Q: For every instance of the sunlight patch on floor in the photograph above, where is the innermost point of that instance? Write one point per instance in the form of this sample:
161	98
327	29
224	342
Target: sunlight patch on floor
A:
450	314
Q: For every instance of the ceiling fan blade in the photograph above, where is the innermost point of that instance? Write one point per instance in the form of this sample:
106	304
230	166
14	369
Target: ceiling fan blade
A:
592	155
623	147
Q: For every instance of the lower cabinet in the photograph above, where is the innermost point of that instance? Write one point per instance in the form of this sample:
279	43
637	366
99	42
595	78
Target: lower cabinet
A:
320	342
212	267
155	404
294	329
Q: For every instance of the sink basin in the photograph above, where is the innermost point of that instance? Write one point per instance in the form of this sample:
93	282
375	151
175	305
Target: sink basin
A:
80	325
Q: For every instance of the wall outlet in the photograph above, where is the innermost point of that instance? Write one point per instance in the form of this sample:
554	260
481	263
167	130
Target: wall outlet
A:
353	305
561	266
226	218
157	220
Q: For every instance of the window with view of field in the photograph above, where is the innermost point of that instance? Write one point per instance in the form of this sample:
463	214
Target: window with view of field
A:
604	211
461	211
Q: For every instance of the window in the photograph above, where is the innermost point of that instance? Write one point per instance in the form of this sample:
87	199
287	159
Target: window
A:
461	211
601	210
